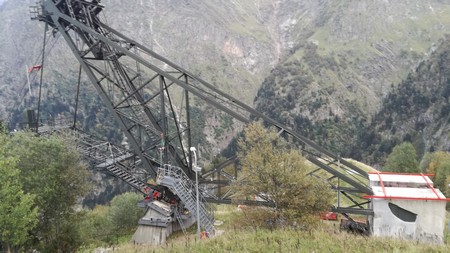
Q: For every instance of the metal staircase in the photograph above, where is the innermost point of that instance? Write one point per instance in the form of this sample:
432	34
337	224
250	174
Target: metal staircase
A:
104	155
176	180
111	158
119	171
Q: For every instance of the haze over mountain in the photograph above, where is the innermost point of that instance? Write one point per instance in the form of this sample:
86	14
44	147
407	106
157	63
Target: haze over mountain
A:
321	67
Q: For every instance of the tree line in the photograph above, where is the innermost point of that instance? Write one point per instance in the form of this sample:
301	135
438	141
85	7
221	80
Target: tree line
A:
403	159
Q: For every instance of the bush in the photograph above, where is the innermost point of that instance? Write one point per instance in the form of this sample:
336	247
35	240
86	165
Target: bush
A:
278	174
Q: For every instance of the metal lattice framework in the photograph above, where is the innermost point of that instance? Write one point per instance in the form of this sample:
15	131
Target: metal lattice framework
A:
138	86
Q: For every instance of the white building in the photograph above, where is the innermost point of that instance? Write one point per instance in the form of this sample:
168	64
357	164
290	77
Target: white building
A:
407	206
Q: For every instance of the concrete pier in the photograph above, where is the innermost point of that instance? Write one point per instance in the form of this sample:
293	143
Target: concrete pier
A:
158	223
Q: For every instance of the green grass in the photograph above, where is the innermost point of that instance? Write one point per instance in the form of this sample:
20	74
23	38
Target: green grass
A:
264	240
235	238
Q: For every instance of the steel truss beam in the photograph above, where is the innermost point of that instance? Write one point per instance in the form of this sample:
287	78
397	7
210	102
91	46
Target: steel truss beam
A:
140	99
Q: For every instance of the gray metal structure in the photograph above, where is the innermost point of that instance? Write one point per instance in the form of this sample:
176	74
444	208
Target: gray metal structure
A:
104	156
137	86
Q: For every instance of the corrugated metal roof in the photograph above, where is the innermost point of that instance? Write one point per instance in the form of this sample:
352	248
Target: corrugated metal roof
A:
403	186
399	192
399	178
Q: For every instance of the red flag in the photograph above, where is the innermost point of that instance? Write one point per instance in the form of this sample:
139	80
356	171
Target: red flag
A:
35	67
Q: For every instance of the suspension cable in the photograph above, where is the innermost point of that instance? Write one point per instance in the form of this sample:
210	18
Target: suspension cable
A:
42	75
77	96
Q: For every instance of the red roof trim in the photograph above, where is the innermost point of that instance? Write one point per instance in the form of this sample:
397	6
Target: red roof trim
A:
431	186
405	198
402	174
382	184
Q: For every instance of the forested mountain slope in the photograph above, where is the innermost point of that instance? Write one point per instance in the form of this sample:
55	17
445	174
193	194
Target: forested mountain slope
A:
334	81
332	61
417	110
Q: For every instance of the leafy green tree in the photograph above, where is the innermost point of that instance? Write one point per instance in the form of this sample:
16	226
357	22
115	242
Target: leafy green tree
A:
51	169
124	213
96	227
438	163
104	224
17	212
402	159
274	171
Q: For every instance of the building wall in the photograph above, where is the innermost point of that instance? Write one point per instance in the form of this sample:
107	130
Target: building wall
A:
428	227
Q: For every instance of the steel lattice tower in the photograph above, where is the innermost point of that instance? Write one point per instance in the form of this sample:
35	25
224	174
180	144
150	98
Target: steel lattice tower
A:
137	86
